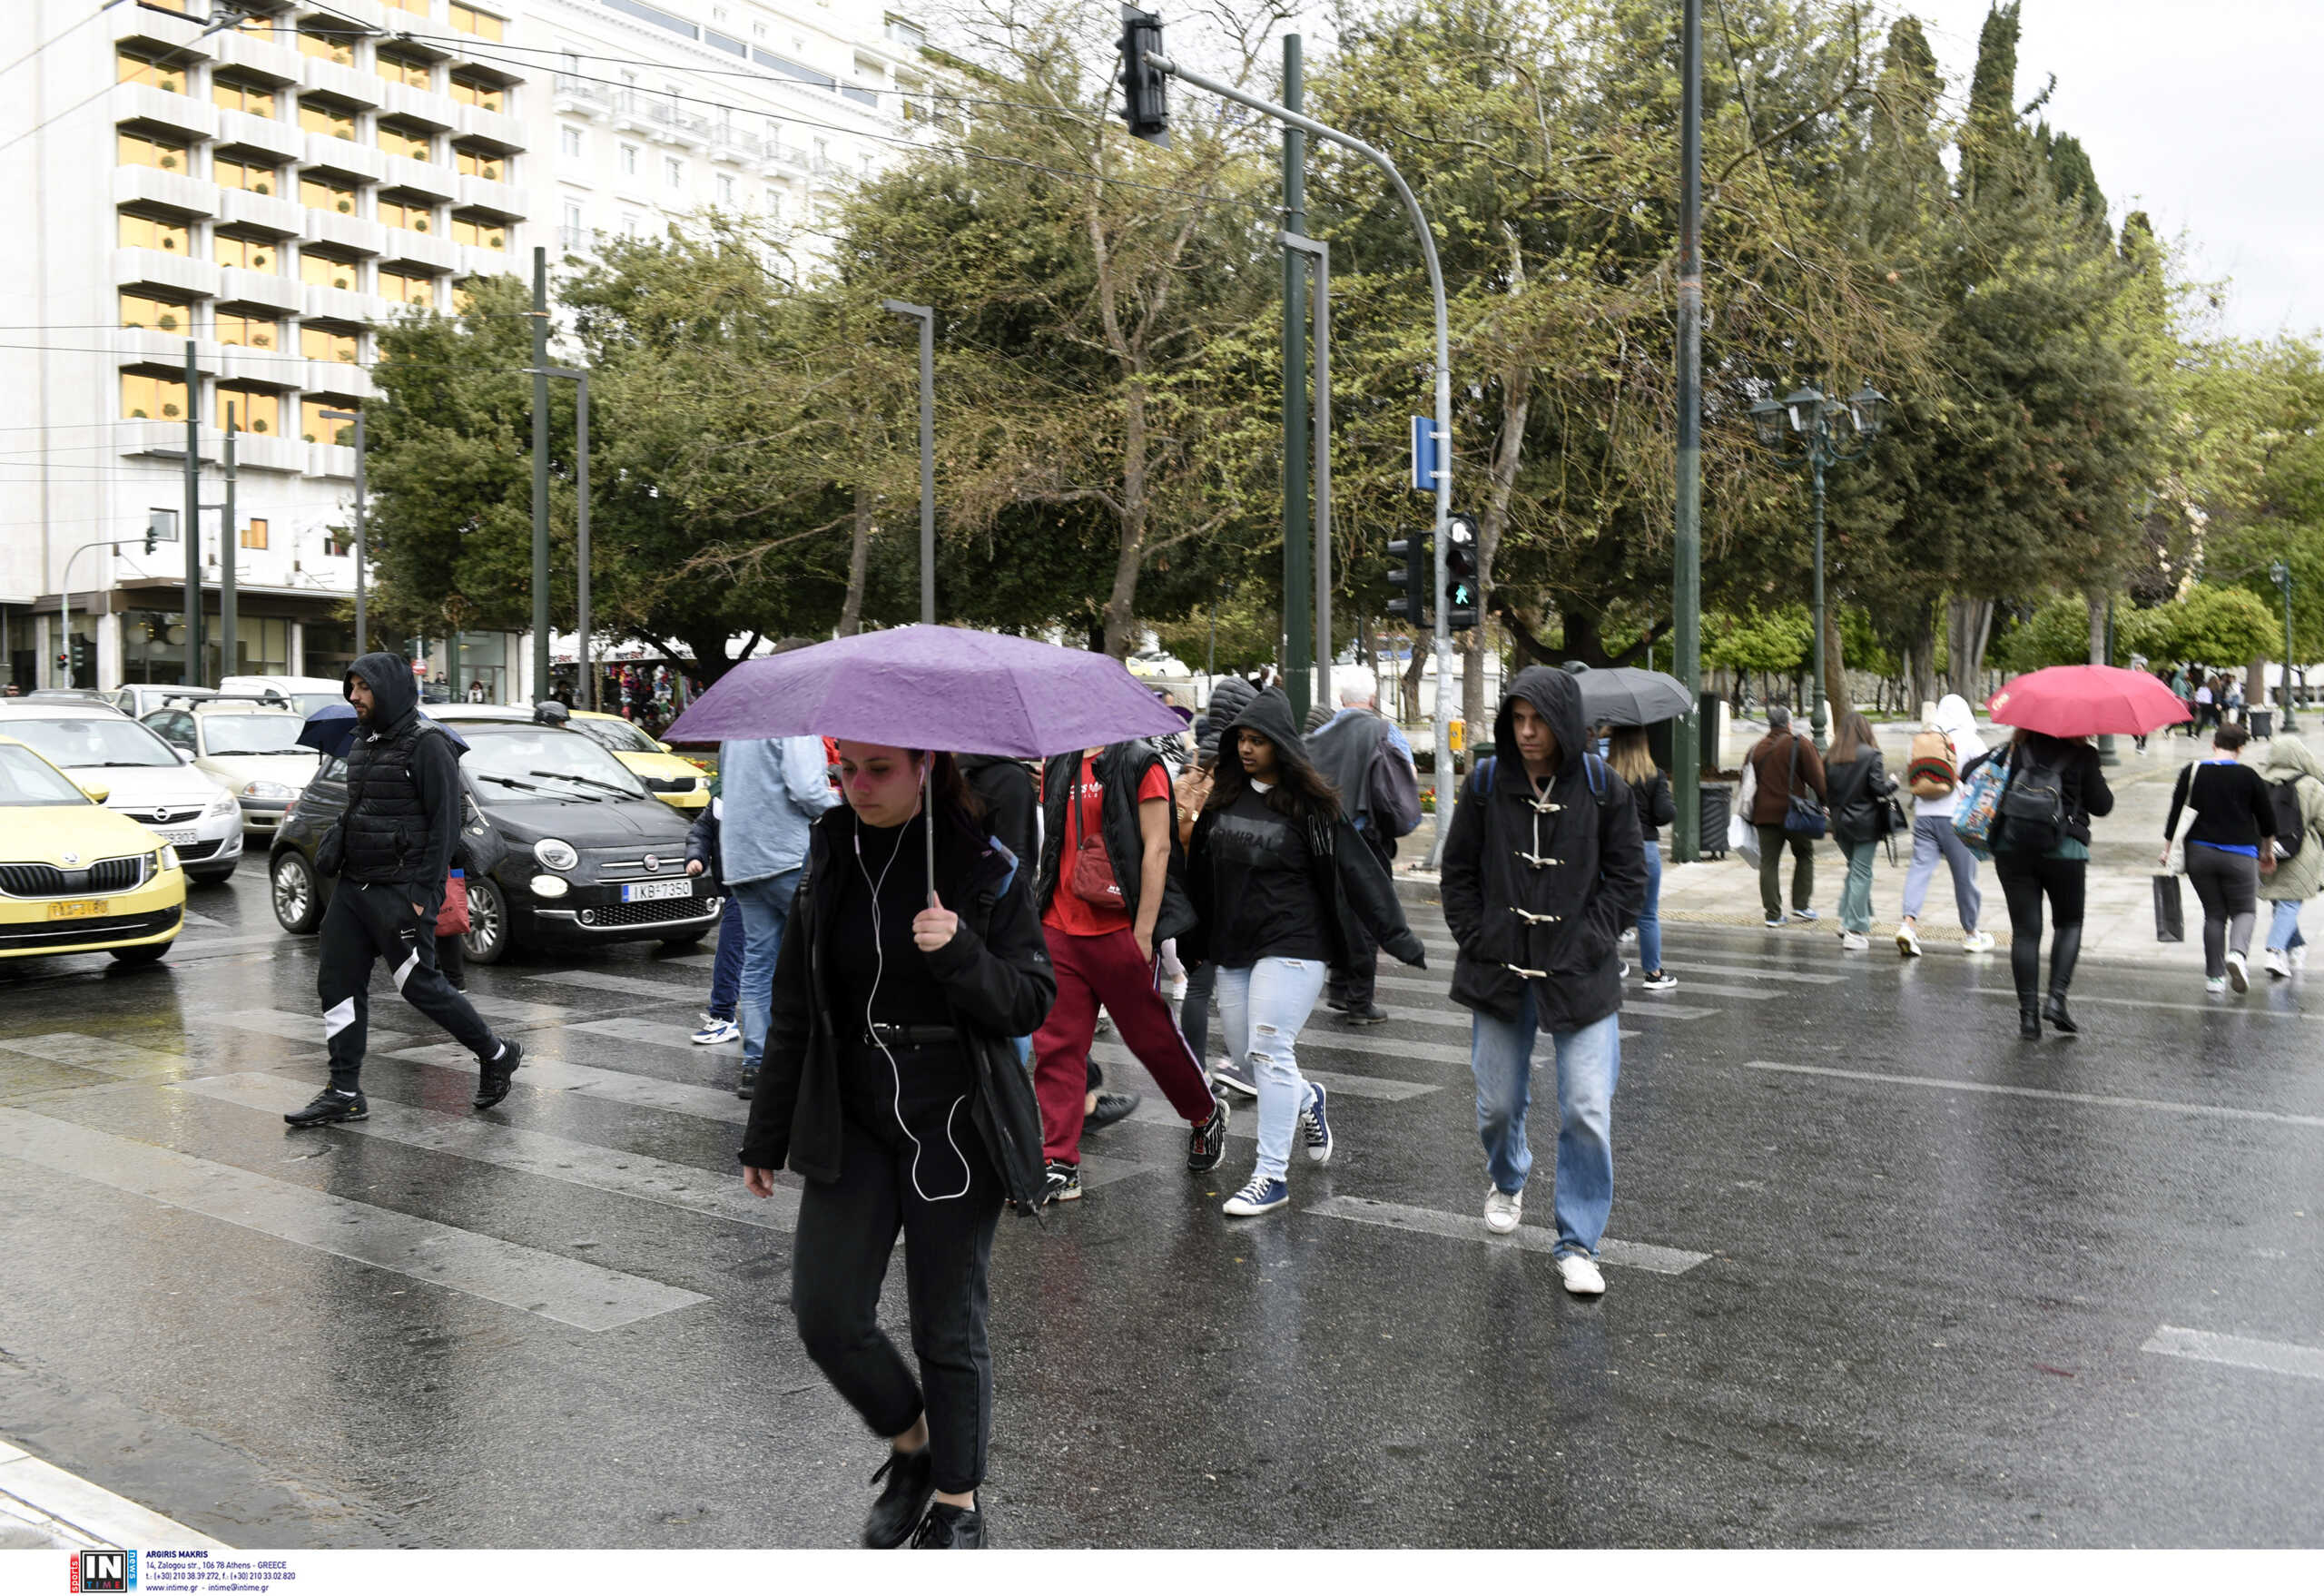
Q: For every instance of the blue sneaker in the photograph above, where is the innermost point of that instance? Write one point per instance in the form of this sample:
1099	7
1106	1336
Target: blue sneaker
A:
1235	1078
1807	914
1315	1126
1261	1195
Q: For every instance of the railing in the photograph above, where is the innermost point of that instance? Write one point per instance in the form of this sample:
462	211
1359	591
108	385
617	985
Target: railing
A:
575	241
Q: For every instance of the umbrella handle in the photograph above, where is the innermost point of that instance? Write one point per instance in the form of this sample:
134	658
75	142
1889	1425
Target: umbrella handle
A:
927	818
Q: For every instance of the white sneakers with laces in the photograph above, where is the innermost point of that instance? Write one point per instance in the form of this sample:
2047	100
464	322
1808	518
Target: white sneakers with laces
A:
1581	1274
2237	975
2278	965
1908	943
1503	1210
1855	941
1977	942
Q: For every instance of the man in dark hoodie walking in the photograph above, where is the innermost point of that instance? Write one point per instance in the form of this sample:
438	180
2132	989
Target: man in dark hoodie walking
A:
391	852
1543	869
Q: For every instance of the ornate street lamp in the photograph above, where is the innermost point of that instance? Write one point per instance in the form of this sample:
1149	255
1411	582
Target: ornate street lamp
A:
1806	428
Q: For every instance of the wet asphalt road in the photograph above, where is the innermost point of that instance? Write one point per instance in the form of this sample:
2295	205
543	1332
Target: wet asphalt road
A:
1859	1302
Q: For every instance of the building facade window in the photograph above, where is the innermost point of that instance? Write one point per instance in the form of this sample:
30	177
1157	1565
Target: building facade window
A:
410	215
484	95
155	315
135	65
328	343
406	288
411	71
725	190
248	332
146	397
246	254
480	230
569	140
468	19
244	175
330	41
234	94
255	409
628	159
151	233
254	534
774	202
673	171
484	163
412	144
315	430
325	271
132	149
322	116
324	193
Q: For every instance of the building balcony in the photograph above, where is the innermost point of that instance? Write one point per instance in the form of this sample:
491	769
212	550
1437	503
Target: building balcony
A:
630	114
355	84
282	218
253	452
278	141
336	377
259	368
426	106
181	113
238	285
319	304
673	125
137	21
149	346
331	460
478	261
496	128
165	439
277	64
578	97
481	193
860	96
334	154
358	234
421	177
172	190
735	147
789	157
133	267
421	249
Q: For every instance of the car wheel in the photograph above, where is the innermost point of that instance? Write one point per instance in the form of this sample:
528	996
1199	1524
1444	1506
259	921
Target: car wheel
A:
149	953
489	938
298	898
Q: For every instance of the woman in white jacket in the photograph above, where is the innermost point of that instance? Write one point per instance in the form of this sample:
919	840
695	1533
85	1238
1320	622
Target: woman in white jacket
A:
1934	838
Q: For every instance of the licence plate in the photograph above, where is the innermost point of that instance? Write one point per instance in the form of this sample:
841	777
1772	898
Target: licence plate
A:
77	909
642	891
177	836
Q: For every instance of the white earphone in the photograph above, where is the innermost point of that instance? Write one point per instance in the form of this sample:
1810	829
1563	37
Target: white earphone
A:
879	971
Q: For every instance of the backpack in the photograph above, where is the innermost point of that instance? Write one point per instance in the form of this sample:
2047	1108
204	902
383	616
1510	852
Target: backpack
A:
1931	770
2034	806
2283	797
1592	766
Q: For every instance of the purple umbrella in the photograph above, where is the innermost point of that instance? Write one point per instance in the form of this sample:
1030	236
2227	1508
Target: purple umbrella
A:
933	688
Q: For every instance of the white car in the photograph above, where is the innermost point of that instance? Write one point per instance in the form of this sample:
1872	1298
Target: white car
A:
304	693
139	699
143	777
251	749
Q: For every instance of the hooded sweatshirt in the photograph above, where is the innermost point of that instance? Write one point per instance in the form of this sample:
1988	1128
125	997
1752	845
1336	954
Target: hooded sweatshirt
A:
1229	699
1958	722
2298	878
404	787
770	789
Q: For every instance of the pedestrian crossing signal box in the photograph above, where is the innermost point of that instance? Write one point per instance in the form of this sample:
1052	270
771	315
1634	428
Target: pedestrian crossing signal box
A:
1410	580
1460	572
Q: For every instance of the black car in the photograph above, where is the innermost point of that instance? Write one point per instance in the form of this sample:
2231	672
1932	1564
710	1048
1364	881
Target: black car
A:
563	845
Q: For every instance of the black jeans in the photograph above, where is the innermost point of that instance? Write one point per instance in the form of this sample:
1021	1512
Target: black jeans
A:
367	922
1194	1009
848	1228
2025	880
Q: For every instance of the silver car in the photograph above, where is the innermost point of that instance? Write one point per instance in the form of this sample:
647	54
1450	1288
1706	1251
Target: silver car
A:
145	779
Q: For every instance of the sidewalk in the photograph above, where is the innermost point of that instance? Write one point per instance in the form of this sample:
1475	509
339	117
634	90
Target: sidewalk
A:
2118	926
43	1508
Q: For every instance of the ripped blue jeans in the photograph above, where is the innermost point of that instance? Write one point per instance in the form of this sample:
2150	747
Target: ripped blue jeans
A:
1263	1007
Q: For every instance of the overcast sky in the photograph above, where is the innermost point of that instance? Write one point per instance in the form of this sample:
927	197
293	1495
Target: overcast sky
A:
2203	113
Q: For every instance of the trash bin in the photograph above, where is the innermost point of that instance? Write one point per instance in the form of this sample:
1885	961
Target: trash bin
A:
2264	721
1719	804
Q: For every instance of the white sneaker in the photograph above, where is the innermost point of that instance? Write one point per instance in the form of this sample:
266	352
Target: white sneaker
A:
1502	1210
712	1032
1977	942
2237	976
2299	957
2215	985
1855	941
1908	943
1581	1275
2278	965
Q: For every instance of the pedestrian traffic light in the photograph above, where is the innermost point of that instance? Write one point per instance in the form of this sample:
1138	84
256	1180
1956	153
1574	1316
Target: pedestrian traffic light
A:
1411	579
1460	572
1145	105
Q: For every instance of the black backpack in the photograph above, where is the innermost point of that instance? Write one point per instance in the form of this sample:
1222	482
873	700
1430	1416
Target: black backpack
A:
2034	806
2290	830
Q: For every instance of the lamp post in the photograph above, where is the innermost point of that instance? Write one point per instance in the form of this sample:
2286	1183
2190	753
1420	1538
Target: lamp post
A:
1816	428
926	317
361	615
585	675
2281	574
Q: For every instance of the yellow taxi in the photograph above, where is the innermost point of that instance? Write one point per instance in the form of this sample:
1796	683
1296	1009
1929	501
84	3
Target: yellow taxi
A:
76	877
679	782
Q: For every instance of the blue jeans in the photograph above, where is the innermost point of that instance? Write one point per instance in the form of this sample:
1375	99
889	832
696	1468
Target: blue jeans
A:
726	970
1855	892
1934	840
1649	919
766	908
2283	929
1589	1061
1263	1007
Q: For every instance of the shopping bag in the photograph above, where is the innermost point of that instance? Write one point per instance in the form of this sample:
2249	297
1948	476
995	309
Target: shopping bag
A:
2170	918
1743	840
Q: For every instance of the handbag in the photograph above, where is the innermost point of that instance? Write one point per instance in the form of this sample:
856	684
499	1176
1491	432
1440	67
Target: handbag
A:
1093	878
1743	839
1803	816
2169	916
1979	804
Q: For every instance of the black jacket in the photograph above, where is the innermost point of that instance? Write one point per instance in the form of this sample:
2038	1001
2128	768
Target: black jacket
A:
702	842
1573	859
1351	884
1656	807
1005	787
1857	792
2081	779
403	785
997	982
1120	770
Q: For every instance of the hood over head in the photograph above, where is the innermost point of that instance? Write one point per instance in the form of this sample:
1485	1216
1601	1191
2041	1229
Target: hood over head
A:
1556	697
395	691
1229	699
1269	715
1957	721
2288	756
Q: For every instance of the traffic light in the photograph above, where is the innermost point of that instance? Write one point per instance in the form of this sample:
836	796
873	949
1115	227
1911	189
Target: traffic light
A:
1145	105
161	527
1411	579
1460	572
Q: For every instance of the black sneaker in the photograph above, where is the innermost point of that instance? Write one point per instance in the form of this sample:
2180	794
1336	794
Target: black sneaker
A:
1234	1078
331	1107
1112	1108
1206	1142
950	1529
1370	1014
492	1074
1063	1183
912	1481
746	1084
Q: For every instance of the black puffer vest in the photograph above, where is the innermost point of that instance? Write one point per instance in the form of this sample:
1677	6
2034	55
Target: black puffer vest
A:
385	826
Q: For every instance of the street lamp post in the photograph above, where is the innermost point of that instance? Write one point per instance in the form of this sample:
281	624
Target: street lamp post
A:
361	615
926	316
582	669
2281	574
1818	424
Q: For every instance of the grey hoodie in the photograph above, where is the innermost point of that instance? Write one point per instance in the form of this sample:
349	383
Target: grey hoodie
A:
2298	878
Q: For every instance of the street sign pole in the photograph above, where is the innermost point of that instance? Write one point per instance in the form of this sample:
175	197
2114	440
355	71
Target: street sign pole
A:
540	473
228	541
1299	652
1687	543
192	527
1316	251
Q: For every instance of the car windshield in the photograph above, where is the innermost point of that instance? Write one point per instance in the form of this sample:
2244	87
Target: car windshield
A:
306	704
251	733
25	778
543	756
618	736
103	740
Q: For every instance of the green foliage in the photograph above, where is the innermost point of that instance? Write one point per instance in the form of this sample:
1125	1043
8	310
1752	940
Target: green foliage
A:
1775	640
2222	627
2057	634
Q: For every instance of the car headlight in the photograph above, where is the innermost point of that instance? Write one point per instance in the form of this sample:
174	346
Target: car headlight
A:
266	789
555	853
550	886
168	856
223	805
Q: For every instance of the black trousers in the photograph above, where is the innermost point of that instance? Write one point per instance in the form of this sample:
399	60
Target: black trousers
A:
367	922
1358	980
2025	880
848	1228
1194	1009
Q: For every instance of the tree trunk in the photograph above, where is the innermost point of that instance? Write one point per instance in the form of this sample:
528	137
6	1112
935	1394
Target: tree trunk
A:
1920	660
1365	652
2096	602
859	559
1121	602
1969	626
1836	666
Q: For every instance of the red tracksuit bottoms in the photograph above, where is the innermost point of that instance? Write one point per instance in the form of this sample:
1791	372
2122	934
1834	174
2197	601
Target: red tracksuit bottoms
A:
1106	970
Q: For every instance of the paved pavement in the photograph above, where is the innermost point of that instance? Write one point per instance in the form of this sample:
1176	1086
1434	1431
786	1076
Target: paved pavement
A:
1879	1275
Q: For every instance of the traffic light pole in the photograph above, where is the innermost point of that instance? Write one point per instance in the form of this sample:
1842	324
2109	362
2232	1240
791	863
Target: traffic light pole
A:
1320	253
229	543
1299	649
1441	782
1687	541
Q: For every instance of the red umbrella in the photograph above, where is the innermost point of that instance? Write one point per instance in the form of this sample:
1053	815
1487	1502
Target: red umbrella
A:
2086	700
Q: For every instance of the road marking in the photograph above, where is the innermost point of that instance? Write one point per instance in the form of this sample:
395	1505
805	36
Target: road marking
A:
1101	1172
1115	1057
614	1086
2207	1110
98	1053
562	1289
528	1152
234	944
308	1028
1532	1238
88	1513
2216	1006
597	981
659	1034
514	1010
2276	1357
1643	1009
1243	1125
1326	1039
1754	974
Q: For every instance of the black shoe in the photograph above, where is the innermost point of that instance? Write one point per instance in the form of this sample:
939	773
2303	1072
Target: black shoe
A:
1206	1143
1061	1184
1370	1014
492	1074
331	1107
2029	1022
911	1477
950	1529
1234	1078
746	1084
1112	1108
2054	1011
1336	1001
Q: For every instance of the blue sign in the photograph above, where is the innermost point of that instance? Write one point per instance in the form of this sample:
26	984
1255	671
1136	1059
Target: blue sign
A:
1423	454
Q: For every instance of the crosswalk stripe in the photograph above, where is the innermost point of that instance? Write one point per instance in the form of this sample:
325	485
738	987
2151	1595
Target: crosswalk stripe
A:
2257	1010
1533	1238
98	1053
183	949
565	1290
598	981
308	1028
1120	1060
1704	989
614	1086
516	1010
1325	1037
528	1152
1649	1008
659	1034
1791	977
2276	1357
1243	1125
1937	1083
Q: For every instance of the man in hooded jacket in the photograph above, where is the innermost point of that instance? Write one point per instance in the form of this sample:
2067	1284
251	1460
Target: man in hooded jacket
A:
1543	869
393	852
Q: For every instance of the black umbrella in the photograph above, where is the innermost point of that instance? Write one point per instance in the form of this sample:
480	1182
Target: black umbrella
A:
1632	698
